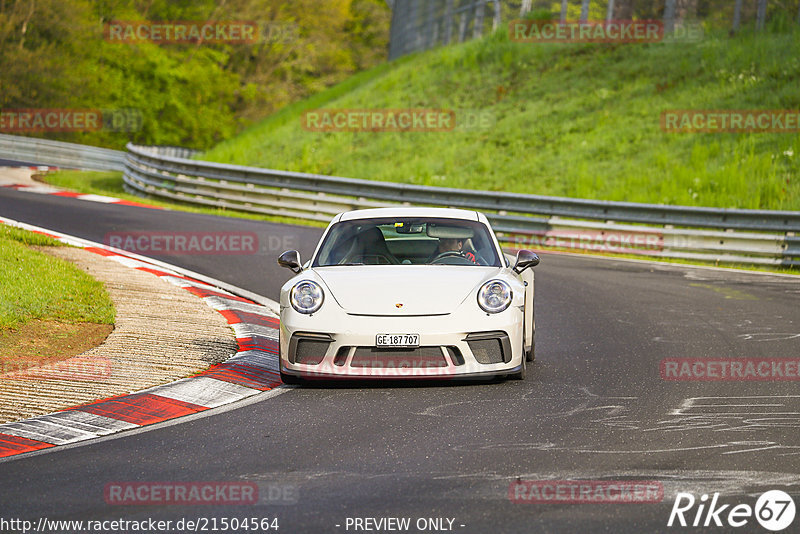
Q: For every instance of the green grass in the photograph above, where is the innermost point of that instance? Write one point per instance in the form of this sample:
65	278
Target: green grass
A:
576	120
34	285
28	238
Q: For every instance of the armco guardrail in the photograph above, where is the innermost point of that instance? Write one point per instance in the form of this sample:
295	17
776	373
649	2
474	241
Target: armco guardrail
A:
60	154
710	234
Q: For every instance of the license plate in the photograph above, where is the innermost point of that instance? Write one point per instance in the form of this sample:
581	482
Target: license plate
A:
397	340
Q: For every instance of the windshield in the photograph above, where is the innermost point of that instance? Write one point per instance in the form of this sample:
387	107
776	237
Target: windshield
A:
408	242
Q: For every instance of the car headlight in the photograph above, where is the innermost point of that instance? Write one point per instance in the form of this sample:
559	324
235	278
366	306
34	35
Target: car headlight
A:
306	297
494	296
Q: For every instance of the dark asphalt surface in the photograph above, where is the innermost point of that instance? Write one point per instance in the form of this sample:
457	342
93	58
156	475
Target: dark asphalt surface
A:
594	406
16	163
102	223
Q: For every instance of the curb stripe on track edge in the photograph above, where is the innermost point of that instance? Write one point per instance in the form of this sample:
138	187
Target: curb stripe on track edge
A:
252	370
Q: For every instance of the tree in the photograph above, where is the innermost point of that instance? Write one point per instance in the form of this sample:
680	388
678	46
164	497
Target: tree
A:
480	7
53	55
737	15
669	16
585	10
41	44
761	15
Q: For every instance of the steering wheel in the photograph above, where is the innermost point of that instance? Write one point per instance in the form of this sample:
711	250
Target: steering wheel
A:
452	254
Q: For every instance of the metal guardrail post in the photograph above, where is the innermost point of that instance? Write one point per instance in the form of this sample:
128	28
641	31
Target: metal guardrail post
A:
60	154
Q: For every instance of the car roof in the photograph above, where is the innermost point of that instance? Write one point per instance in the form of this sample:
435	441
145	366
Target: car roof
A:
406	211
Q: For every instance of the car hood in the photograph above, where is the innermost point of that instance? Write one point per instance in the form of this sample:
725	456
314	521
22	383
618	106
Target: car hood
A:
420	289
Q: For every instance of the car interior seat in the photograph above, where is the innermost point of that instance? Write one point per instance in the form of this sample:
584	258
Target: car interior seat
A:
369	247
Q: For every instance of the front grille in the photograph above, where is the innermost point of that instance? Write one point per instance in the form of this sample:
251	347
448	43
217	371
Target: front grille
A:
308	349
490	347
487	351
455	355
341	356
419	358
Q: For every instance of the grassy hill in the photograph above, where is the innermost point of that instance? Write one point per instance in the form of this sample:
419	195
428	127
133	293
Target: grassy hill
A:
578	120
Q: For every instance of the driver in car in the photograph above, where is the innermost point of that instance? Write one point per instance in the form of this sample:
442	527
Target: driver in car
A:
451	245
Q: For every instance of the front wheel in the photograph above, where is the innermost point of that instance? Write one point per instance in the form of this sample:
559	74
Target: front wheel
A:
530	355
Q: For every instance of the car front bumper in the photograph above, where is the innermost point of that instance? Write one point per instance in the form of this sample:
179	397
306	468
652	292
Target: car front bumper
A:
461	344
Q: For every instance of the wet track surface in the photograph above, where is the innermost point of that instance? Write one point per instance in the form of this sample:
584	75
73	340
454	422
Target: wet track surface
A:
594	406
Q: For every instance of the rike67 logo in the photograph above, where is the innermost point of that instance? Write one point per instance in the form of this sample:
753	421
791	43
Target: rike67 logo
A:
774	510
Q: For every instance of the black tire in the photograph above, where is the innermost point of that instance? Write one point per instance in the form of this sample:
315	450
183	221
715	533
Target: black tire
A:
530	355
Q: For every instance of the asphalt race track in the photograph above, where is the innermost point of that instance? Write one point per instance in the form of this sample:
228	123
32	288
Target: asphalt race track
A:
594	406
101	222
15	163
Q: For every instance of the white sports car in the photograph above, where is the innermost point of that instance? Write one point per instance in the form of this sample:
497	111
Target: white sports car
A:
407	293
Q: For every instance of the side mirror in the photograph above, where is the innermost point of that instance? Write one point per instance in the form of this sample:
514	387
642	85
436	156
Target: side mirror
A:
525	259
291	260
